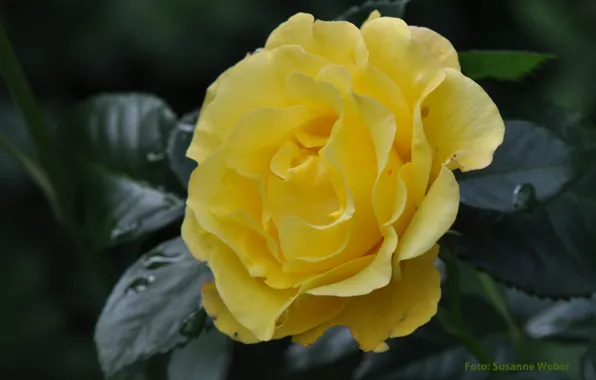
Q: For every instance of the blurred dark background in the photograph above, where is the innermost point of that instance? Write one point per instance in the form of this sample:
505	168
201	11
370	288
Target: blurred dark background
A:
72	49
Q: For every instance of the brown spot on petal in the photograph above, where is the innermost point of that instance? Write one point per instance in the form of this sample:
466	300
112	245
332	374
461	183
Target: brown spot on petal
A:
424	112
390	171
235	334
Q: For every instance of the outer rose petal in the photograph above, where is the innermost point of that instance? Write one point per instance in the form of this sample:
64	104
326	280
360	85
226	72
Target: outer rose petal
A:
305	313
433	218
393	51
395	310
222	318
438	45
339	42
463	123
260	311
308	312
195	237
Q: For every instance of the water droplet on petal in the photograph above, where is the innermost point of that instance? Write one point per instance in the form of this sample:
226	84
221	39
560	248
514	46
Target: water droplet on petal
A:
155	157
140	284
524	197
192	326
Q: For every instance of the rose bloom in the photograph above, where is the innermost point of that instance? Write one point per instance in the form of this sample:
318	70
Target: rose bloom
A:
324	179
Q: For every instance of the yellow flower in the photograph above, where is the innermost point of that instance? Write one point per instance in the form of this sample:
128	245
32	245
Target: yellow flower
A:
325	179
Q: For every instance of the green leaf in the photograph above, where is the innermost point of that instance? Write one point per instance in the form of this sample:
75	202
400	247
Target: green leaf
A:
574	319
335	354
207	357
530	158
151	309
523	306
548	250
178	144
126	188
429	353
588	363
357	14
503	65
565	355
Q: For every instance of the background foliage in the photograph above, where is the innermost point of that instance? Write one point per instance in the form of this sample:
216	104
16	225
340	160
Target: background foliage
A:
541	208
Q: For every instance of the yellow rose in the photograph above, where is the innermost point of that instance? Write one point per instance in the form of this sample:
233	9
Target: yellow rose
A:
325	179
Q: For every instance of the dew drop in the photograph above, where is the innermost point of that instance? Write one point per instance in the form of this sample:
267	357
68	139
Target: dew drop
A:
139	284
524	197
192	326
187	128
172	200
155	157
120	231
160	259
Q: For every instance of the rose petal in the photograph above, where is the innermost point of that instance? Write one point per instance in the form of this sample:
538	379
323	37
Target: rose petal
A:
222	318
433	218
339	42
308	312
463	123
266	71
438	45
259	134
395	310
375	275
393	51
258	312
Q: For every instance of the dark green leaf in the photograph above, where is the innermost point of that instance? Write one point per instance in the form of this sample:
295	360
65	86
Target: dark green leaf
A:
207	357
503	65
178	144
336	350
531	165
537	250
127	188
523	306
574	319
588	363
429	353
148	307
555	357
357	14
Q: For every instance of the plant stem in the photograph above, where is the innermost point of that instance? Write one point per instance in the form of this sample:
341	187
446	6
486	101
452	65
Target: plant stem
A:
454	323
50	174
497	299
40	134
33	169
